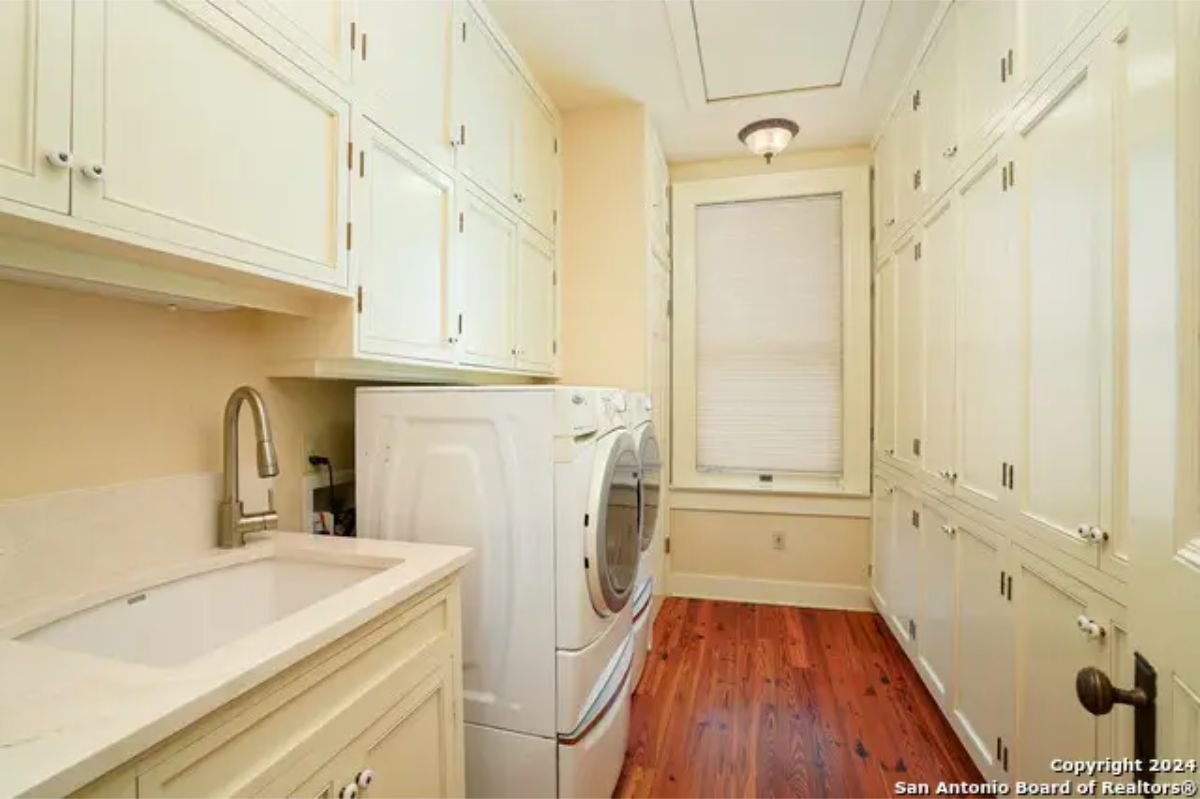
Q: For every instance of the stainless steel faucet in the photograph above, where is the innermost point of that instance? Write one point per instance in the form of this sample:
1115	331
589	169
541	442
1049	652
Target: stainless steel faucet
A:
233	522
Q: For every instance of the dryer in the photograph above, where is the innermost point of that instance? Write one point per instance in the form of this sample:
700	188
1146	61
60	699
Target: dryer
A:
543	483
650	476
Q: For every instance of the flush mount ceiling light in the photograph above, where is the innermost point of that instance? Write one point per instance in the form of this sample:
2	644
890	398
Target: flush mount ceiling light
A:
768	137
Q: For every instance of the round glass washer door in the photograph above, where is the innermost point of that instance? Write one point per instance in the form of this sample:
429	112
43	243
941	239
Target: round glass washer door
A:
649	483
611	528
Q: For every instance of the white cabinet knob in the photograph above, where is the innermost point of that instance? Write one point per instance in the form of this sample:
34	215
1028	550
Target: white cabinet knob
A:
949	530
1089	627
1092	534
349	791
364	778
950	151
94	170
60	158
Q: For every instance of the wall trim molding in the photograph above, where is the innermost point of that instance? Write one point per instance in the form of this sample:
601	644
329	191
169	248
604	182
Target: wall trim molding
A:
770	502
835	596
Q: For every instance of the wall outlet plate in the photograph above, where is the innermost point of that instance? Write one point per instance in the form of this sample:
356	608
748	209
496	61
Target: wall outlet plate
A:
778	541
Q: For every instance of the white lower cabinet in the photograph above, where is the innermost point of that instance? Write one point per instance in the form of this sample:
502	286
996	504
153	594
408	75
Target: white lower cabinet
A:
904	556
937	581
190	131
402	211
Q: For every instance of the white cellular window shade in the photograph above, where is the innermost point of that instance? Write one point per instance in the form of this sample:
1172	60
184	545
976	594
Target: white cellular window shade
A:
768	336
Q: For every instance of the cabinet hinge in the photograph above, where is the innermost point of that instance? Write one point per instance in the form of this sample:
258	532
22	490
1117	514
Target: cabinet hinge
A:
1004	177
464	31
912	629
360	299
350	154
667	545
1002	576
870	569
917	179
1008	587
916	99
917	251
353	35
554	347
1012	174
555	217
916	518
916	446
460	317
554	278
349	235
462	135
556	145
670	308
460	221
362	163
1009	61
364	46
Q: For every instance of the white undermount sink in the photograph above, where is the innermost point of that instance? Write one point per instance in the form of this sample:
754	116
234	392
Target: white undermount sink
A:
172	623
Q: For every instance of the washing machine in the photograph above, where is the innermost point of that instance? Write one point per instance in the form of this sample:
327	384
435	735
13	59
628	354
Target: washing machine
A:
639	411
543	483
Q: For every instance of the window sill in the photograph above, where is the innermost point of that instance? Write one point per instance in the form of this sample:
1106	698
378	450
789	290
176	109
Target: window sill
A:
821	501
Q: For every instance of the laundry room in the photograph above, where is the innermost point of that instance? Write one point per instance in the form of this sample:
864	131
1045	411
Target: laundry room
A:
599	398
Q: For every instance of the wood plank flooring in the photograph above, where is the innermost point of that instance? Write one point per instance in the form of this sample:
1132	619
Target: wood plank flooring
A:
762	700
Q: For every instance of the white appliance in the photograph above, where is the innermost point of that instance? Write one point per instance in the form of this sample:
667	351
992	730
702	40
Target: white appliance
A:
542	483
650	471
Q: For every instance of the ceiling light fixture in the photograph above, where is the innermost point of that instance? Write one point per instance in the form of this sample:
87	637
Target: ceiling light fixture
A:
768	137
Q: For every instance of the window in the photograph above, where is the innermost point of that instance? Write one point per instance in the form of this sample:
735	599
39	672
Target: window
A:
772	333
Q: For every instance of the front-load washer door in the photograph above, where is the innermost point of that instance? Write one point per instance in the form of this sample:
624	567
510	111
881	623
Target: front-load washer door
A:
611	524
649	483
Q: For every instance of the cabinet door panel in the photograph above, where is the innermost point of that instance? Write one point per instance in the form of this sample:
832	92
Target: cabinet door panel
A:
484	96
35	117
883	520
910	372
886	177
983	698
232	150
988	340
319	28
1064	187
486	270
987	31
885	359
936	627
1046	28
1050	722
405	76
908	158
905	553
535	303
939	106
402	208
537	177
939	255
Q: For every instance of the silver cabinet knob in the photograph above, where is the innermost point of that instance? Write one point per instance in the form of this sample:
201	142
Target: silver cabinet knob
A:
63	159
94	170
365	778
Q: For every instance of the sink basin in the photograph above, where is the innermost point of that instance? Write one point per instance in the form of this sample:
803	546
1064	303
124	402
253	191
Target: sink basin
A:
172	623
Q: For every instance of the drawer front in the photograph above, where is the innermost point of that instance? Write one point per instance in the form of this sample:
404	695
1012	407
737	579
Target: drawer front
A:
301	718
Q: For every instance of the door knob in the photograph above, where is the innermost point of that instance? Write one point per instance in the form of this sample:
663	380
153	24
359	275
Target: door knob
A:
1097	694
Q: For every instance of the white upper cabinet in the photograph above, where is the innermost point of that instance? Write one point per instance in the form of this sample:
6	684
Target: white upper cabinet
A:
319	32
189	130
402	71
486	257
988	339
986	33
910	376
537	162
885	192
35	117
885	359
938	107
485	111
1066	152
940	258
536	293
659	189
402	208
907	159
1046	27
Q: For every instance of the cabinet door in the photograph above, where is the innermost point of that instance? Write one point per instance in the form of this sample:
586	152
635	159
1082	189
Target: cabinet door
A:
486	270
987	33
402	207
983	693
35	118
660	201
939	106
537	162
484	119
905	555
1047	28
1051	648
909	157
885	189
232	151
883	535
910	371
936	621
939	256
1065	151
413	750
403	69
535	302
885	359
319	29
988	340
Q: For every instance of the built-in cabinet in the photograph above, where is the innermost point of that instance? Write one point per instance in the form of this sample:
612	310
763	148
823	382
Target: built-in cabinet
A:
325	144
999	289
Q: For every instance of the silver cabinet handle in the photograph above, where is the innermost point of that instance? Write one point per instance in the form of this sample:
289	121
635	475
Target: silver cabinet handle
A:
63	159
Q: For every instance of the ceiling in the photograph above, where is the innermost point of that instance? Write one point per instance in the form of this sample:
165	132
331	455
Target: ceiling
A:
705	68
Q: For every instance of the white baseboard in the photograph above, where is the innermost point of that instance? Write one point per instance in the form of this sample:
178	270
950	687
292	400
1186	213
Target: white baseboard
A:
836	596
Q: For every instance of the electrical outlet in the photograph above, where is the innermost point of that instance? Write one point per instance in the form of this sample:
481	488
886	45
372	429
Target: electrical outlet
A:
777	541
310	449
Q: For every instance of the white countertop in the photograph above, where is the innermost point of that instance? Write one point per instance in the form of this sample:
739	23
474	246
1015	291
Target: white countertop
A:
67	718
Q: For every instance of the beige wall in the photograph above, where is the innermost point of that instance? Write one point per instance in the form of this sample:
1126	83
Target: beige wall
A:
727	553
605	240
97	391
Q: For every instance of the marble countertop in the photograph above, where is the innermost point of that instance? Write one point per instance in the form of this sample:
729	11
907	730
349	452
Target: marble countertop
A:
67	718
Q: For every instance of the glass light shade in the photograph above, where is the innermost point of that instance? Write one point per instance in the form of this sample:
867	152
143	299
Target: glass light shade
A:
768	137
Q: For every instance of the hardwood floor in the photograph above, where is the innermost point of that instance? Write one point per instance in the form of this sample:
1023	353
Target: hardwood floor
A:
762	700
